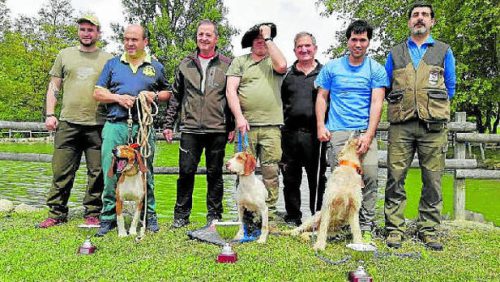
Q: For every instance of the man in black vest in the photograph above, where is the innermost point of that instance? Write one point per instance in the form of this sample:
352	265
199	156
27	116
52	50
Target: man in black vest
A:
422	74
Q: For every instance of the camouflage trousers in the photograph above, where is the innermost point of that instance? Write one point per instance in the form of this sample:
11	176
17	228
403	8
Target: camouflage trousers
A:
404	139
369	165
265	145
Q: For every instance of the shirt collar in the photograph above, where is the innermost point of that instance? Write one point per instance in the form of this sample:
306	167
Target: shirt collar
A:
147	59
428	41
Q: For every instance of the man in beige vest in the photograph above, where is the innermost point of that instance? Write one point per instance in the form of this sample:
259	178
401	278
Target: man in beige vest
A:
422	74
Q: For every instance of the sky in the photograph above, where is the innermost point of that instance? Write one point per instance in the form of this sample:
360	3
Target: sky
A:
290	17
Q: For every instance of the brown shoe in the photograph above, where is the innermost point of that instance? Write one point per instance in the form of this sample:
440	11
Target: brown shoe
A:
431	241
49	222
394	240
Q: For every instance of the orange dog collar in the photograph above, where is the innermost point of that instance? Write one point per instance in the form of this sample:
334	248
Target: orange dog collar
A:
351	164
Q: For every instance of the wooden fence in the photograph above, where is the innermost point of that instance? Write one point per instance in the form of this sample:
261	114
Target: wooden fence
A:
460	133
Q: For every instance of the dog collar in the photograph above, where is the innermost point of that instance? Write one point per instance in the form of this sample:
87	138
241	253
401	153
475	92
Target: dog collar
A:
351	164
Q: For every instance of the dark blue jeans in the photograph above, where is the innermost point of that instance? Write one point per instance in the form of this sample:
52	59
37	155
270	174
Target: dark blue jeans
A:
190	150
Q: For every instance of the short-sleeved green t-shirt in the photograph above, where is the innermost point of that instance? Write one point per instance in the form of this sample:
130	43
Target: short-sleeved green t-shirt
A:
259	90
79	71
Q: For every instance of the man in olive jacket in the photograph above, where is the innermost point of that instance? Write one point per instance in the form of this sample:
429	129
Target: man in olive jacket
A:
200	88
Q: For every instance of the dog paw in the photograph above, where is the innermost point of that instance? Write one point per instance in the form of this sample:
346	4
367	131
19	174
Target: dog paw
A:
319	246
261	241
133	232
295	232
122	234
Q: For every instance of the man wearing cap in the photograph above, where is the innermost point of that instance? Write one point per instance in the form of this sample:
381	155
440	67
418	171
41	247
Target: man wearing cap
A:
253	93
78	129
205	123
122	79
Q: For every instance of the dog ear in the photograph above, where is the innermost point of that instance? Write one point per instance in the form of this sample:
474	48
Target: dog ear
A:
142	167
111	171
250	164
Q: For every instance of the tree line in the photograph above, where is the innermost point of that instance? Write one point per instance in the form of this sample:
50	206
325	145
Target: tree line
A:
29	45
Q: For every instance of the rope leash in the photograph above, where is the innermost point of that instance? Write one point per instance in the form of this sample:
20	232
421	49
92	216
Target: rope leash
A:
145	121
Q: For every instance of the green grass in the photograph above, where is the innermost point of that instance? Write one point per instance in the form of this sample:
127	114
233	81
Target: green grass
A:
28	254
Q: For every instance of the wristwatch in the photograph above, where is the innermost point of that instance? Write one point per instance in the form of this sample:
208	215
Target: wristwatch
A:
268	39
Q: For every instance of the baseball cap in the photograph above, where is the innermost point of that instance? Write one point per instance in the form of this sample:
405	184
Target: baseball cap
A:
89	18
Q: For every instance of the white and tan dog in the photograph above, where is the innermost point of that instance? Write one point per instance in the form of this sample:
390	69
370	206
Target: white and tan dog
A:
251	194
342	199
131	184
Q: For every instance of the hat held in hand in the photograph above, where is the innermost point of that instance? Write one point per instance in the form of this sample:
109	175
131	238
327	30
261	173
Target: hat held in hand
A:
253	32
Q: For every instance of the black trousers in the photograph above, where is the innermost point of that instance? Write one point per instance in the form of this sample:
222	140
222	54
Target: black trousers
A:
190	150
301	149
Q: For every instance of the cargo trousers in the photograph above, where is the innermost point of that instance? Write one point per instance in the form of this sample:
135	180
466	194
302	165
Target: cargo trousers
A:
431	146
70	142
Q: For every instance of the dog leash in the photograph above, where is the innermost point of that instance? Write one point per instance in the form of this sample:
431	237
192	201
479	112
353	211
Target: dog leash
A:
242	144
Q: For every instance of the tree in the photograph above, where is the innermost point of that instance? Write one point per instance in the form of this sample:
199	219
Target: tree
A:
27	53
469	26
4	18
172	27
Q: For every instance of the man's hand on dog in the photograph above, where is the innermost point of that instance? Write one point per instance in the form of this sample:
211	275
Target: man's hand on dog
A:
168	134
364	142
51	123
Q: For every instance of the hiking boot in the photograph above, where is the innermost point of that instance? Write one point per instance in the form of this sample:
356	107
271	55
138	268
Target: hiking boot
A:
92	220
106	226
152	223
394	240
180	222
367	236
431	241
292	221
49	222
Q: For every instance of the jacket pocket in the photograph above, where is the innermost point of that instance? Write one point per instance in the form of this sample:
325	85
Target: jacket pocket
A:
438	105
395	107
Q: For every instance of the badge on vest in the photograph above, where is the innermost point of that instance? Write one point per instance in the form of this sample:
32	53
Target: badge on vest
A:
433	77
148	71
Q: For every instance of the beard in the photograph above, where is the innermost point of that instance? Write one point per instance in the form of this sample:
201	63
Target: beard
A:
90	44
419	30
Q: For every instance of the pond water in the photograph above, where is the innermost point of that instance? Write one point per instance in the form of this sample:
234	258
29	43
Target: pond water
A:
29	182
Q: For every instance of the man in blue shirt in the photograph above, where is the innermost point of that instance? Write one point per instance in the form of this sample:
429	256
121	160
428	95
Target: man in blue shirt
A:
119	84
356	87
422	74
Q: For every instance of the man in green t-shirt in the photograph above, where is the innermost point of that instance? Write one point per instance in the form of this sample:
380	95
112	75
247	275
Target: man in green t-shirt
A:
78	129
253	94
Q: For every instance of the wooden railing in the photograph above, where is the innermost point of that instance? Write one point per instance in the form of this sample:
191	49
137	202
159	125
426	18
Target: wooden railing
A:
460	133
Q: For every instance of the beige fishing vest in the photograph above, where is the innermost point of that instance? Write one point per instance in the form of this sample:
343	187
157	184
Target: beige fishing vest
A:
419	93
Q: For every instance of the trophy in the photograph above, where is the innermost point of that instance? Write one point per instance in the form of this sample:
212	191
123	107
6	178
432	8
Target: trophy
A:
227	231
87	248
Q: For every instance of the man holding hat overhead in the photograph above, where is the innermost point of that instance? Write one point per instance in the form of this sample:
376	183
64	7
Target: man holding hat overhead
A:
78	129
253	94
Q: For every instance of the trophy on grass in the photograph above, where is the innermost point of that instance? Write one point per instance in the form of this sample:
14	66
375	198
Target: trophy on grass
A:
87	248
227	231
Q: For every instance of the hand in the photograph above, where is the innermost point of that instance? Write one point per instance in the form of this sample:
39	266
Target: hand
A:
168	134
324	134
230	136
150	96
242	125
265	31
125	100
364	142
51	123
